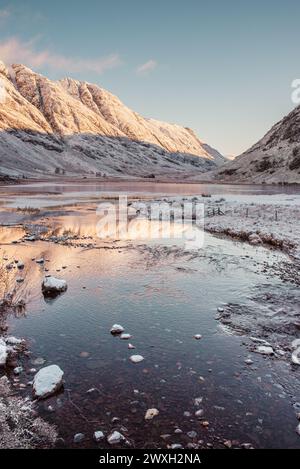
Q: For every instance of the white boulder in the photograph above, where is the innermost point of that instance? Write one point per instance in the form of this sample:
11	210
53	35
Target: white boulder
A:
3	352
14	341
124	336
151	413
47	381
115	438
136	358
265	350
98	436
117	329
53	286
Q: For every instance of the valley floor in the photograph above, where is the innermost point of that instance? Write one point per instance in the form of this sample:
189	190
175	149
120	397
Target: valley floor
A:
223	390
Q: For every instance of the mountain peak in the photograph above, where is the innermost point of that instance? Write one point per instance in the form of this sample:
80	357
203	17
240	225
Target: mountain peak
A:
84	120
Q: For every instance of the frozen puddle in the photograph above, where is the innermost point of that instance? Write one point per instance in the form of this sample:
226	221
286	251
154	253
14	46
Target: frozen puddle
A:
163	296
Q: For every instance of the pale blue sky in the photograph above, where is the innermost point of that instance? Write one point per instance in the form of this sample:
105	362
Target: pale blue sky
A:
223	68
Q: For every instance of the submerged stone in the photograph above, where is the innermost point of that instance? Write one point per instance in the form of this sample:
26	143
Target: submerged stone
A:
117	329
136	358
151	413
47	381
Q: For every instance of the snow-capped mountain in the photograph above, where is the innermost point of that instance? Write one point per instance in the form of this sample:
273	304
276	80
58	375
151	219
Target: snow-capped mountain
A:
78	128
274	159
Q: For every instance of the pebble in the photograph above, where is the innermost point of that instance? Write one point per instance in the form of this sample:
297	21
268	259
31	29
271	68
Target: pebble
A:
79	437
198	336
117	329
151	413
199	413
192	434
115	438
265	350
18	370
136	358
98	436
124	336
228	443
131	347
248	361
198	401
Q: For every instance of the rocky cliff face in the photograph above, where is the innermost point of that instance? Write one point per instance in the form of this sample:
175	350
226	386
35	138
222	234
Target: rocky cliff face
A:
274	159
79	128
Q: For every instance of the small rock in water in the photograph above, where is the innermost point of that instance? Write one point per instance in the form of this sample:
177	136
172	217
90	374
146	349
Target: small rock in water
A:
131	347
124	336
115	438
14	341
199	413
265	350
248	361
98	436
79	437
198	336
198	401
52	286
220	310
192	434
186	414
117	329
136	358
3	352
47	381
228	443
38	361
151	413
84	354
298	429
18	370
178	431
295	357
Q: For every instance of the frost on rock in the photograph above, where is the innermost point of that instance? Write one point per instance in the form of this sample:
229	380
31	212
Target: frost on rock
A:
265	350
19	429
115	438
3	352
117	329
151	413
136	358
52	286
124	336
47	381
98	436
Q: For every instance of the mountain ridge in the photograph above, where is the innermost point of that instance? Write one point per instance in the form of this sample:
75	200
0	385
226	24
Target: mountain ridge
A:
81	128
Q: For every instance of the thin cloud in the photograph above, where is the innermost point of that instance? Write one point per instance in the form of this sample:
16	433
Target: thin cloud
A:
13	50
147	67
4	13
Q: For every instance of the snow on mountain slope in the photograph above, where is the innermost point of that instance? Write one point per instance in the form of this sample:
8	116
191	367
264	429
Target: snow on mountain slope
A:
274	159
79	128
